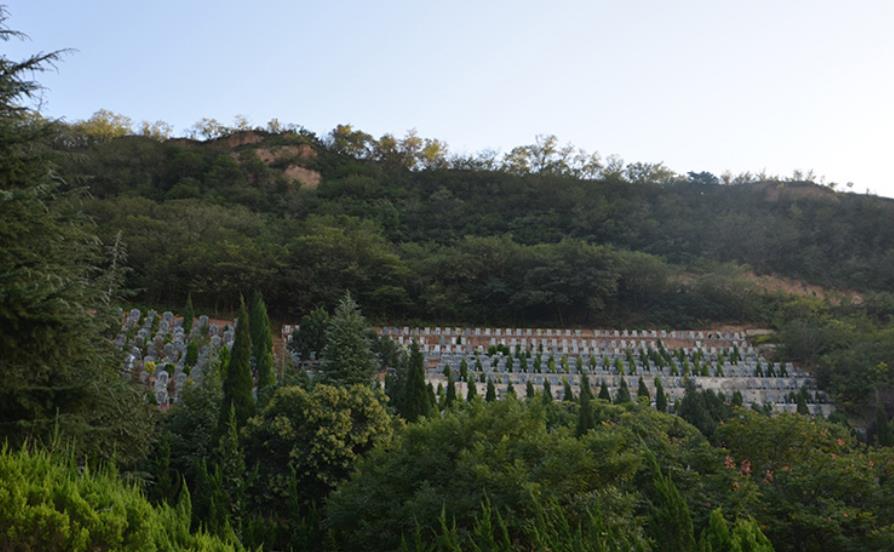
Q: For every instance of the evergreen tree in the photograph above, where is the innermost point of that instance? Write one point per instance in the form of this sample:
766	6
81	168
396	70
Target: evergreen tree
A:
567	392
491	394
715	537
547	391
231	461
623	395
603	392
642	392
262	343
189	315
585	421
472	392
348	357
463	370
309	339
415	401
510	390
660	397
529	390
59	286
237	384
450	397
432	400
737	398
802	405
670	522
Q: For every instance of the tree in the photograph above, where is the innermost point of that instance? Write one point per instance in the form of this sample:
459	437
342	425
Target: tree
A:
451	390
529	390
491	394
262	343
547	391
585	421
660	397
231	462
567	392
670	522
415	402
603	392
472	393
623	395
318	435
347	358
237	383
189	314
310	337
642	391
59	286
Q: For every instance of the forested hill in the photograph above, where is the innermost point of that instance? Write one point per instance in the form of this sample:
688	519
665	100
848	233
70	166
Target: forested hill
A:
546	233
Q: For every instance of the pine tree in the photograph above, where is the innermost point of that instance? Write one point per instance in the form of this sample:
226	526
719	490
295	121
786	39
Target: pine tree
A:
603	392
415	401
432	400
450	397
348	357
660	397
737	398
189	315
585	421
642	392
463	370
237	384
491	394
472	393
529	390
567	392
510	390
547	391
231	461
262	343
623	395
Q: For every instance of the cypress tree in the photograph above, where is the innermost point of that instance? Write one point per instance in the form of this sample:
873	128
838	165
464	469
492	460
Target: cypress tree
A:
642	391
491	394
510	390
547	391
585	386
660	397
472	393
432	400
262	342
567	393
189	315
415	401
463	370
348	357
623	395
603	392
237	384
737	398
451	392
529	390
585	420
231	461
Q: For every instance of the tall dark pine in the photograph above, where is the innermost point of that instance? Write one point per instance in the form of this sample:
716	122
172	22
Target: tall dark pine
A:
585	421
660	397
529	390
547	391
567	393
415	401
603	392
491	394
472	393
623	395
451	391
262	342
237	383
642	391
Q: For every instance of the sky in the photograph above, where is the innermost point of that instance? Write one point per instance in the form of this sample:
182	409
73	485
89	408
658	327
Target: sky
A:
710	85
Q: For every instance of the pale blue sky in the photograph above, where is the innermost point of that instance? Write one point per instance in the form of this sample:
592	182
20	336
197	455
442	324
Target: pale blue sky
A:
700	85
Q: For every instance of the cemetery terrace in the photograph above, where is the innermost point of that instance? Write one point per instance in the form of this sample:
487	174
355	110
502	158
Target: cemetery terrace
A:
724	362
